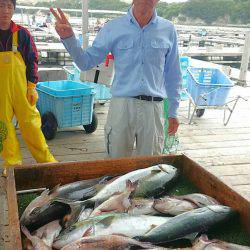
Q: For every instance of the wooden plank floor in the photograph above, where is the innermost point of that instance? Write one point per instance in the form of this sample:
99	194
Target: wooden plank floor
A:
224	151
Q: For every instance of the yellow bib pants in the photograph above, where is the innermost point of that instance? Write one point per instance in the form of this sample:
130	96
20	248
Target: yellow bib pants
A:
13	89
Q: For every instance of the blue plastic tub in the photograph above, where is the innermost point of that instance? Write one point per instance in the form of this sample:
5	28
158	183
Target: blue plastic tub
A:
210	83
102	91
70	102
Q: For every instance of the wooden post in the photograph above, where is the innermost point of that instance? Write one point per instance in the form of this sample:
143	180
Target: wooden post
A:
245	61
22	16
85	23
85	26
28	20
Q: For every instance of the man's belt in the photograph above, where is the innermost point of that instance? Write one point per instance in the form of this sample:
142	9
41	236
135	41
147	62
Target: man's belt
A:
148	98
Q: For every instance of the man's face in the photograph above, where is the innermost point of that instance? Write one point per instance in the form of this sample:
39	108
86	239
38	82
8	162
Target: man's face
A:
145	5
6	11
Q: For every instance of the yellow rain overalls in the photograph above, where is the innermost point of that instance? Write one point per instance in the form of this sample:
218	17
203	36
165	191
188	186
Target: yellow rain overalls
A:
13	100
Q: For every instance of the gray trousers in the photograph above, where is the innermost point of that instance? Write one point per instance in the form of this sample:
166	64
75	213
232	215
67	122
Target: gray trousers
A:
134	122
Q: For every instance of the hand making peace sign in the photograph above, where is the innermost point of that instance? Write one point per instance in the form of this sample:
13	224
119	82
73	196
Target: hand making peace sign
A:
62	26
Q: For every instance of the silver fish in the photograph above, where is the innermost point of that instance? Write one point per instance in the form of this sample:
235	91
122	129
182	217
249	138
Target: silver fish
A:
107	242
107	224
173	206
83	189
49	232
151	181
34	207
191	222
37	243
56	203
118	203
47	213
140	206
200	200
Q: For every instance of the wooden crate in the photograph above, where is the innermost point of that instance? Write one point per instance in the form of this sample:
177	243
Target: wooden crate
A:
49	175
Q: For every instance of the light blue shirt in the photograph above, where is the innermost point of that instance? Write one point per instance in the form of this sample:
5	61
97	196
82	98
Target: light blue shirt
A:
146	59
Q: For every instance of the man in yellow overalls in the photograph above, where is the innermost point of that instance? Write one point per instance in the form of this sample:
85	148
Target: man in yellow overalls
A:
18	96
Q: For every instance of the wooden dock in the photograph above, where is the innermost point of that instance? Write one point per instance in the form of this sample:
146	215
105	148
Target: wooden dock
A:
224	151
189	51
55	54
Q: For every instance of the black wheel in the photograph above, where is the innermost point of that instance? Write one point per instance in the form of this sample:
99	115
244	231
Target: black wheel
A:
90	128
200	112
49	125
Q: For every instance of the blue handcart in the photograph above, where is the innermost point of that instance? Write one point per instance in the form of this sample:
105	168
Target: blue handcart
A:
208	88
64	104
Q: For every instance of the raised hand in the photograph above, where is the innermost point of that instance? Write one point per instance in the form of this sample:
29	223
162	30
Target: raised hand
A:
62	26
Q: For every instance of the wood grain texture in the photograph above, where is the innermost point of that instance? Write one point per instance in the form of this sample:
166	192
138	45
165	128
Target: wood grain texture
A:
48	175
13	218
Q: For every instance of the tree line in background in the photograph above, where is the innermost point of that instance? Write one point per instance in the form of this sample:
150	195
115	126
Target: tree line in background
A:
192	11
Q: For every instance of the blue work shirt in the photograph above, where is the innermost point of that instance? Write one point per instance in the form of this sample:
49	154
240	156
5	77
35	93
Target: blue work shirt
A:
146	60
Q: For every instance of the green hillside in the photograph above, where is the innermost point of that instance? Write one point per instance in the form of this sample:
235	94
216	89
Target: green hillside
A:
206	11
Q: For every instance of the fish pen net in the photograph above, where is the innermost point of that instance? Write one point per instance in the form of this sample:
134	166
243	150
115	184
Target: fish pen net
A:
171	142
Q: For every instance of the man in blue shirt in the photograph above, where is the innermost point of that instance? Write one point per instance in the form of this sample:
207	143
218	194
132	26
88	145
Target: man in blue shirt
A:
147	70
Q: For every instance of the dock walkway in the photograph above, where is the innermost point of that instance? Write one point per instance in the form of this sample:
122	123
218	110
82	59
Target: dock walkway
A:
223	151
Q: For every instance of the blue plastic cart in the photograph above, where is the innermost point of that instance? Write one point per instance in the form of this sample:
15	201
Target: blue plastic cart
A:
209	88
64	104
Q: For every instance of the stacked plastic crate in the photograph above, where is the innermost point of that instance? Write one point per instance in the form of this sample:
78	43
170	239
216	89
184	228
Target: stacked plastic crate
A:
184	63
